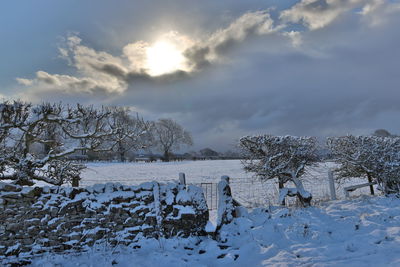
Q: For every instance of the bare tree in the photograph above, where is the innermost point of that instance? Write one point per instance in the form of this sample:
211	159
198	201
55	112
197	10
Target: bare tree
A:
281	157
77	128
132	133
376	157
169	135
51	134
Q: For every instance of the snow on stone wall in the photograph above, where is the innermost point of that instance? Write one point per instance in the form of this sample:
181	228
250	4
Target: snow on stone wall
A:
39	219
226	207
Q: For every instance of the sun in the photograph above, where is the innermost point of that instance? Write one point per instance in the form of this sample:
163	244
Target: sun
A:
164	57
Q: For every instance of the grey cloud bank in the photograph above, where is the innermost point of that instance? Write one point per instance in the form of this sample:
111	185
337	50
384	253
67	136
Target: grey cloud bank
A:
317	68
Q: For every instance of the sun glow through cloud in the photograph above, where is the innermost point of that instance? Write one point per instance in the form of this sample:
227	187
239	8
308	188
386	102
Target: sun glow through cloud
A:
164	57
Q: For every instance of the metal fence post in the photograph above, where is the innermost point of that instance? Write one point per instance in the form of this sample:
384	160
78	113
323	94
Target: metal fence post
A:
331	185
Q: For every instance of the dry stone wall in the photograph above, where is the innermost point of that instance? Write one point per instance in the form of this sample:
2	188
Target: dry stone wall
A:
38	219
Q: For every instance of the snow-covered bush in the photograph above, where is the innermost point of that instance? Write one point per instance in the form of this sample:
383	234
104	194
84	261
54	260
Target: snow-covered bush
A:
281	157
36	140
376	157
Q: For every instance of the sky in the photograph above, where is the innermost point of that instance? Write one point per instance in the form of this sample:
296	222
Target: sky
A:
222	69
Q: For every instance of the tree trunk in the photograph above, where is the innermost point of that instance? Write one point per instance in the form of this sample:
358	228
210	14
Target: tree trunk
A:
371	187
75	181
281	186
122	156
166	156
121	152
303	195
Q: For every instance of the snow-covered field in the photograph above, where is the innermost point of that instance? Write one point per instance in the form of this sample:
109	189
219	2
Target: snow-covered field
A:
358	232
246	189
138	172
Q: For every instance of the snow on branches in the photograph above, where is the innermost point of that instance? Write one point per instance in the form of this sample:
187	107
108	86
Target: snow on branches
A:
35	141
376	157
131	132
282	157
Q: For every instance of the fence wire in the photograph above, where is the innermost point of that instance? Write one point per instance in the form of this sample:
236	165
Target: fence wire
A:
253	192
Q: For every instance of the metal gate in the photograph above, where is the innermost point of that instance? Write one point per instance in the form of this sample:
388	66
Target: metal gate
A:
210	191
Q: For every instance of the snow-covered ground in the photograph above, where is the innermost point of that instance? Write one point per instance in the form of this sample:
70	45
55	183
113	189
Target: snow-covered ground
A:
358	232
363	231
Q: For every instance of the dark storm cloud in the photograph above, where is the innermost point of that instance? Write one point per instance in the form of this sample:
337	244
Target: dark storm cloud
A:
111	70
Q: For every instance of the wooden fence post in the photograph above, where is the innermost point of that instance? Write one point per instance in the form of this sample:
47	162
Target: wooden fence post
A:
331	185
182	178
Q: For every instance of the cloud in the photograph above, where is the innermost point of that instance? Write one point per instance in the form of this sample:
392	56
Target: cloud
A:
295	37
252	23
378	12
317	14
248	25
136	54
98	71
101	71
25	82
